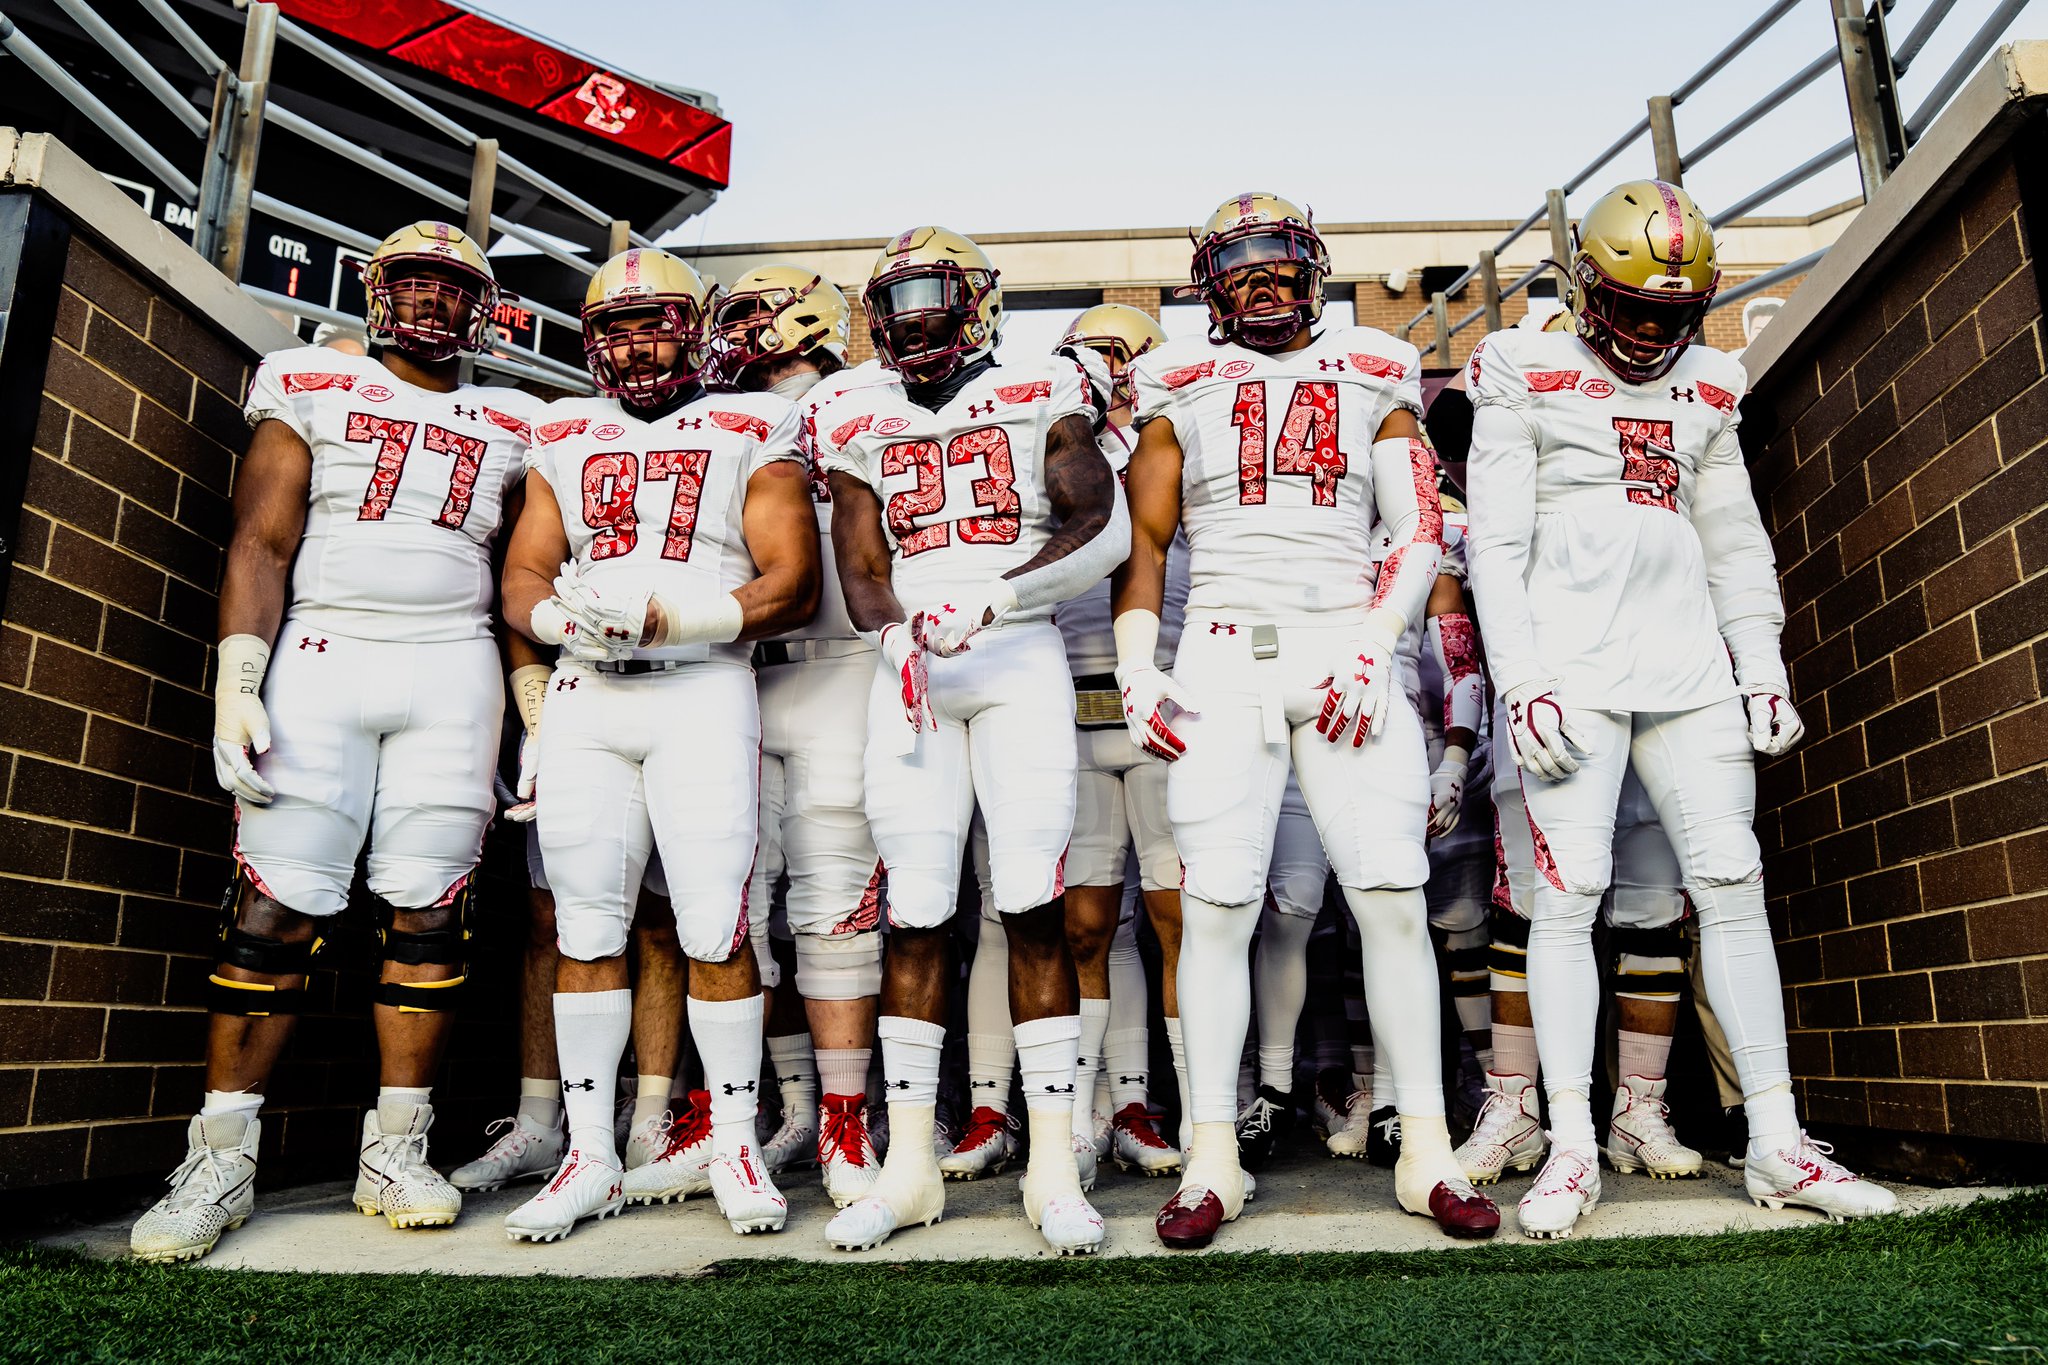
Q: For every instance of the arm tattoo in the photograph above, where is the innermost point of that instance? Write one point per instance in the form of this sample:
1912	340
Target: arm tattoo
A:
1081	488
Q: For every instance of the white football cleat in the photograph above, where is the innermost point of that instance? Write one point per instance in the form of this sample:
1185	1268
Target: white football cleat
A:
586	1186
1069	1224
1138	1144
1508	1136
1103	1135
1084	1160
647	1140
525	1151
1350	1134
393	1176
1806	1177
1639	1137
984	1149
1566	1189
794	1144
682	1167
845	1154
746	1194
213	1191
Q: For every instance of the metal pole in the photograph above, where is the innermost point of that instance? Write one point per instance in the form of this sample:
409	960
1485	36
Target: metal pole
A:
221	228
1560	229
1664	140
1440	316
1859	78
483	188
1489	289
620	237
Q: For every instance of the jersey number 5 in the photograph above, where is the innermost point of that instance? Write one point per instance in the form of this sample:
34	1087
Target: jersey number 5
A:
1649	472
393	440
611	480
1308	441
995	497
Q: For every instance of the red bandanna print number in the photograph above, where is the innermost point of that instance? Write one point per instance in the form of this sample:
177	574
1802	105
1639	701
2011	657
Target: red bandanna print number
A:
687	468
469	457
393	440
995	520
609	482
1307	444
1657	474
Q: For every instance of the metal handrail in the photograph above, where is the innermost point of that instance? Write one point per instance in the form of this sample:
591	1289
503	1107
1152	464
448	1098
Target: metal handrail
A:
1981	42
304	127
1735	49
1758	283
146	75
195	46
1799	174
1741	123
85	102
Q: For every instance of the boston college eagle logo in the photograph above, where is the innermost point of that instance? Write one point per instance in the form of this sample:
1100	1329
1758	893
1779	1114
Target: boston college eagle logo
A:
610	100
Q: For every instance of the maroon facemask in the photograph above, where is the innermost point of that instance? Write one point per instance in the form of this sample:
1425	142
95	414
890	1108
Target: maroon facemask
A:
667	319
448	317
1612	315
918	318
1225	270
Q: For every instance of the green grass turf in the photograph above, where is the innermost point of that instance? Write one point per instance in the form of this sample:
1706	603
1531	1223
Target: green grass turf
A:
1968	1284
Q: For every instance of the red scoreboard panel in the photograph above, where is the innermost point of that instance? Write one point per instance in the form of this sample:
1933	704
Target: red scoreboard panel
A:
471	50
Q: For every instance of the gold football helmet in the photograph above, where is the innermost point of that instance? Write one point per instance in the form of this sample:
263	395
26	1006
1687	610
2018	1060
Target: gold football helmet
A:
774	311
1250	236
637	302
933	304
1120	334
430	291
1641	278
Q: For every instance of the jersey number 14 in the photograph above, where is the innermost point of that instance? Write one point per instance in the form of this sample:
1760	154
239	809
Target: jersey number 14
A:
1307	445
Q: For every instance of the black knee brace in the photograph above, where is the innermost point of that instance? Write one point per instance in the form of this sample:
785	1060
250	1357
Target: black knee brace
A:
1649	964
446	945
257	953
1508	953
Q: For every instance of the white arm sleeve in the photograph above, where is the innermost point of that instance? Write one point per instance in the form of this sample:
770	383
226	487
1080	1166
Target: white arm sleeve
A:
1742	574
1404	491
1500	490
1082	567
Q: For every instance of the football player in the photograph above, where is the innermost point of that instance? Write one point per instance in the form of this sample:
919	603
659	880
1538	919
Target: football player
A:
966	503
365	510
1619	564
1277	444
783	329
662	527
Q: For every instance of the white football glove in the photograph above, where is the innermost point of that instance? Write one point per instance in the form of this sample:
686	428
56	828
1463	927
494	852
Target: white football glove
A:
1146	694
902	646
555	624
240	724
618	616
1447	791
529	692
1774	726
1537	730
955	623
1362	687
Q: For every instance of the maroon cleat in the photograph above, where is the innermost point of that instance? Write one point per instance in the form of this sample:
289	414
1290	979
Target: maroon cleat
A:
1460	1212
1188	1224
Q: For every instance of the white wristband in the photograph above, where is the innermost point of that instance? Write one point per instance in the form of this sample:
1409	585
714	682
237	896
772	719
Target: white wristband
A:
529	691
1455	756
715	622
1137	639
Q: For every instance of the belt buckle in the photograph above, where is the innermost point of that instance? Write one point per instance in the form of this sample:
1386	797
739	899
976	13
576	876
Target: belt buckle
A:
1265	642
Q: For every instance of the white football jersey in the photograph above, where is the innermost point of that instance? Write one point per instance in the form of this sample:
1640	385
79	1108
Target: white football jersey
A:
962	489
1278	493
408	491
1084	621
831	621
1614	600
657	505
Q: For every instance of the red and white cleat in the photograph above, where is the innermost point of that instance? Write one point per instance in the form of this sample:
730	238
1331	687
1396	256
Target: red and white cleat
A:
745	1192
683	1167
586	1187
1567	1188
1806	1176
846	1154
984	1149
1640	1137
1139	1145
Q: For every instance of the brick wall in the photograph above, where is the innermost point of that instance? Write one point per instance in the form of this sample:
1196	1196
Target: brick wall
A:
1903	477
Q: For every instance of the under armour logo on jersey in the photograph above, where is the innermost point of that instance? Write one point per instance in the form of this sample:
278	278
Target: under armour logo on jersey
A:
579	1085
565	684
471	413
1219	627
308	642
1686	395
982	409
1336	364
745	1089
689	424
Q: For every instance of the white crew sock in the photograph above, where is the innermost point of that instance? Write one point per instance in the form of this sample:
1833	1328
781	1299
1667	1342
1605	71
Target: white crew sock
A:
1094	1021
591	1028
540	1102
1047	1052
911	1050
728	1034
1642	1054
796	1076
231	1102
991	1049
1514	1051
395	1104
1127	1047
844	1071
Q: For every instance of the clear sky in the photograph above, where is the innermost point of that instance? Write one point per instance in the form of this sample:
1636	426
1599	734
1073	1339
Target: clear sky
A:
857	119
